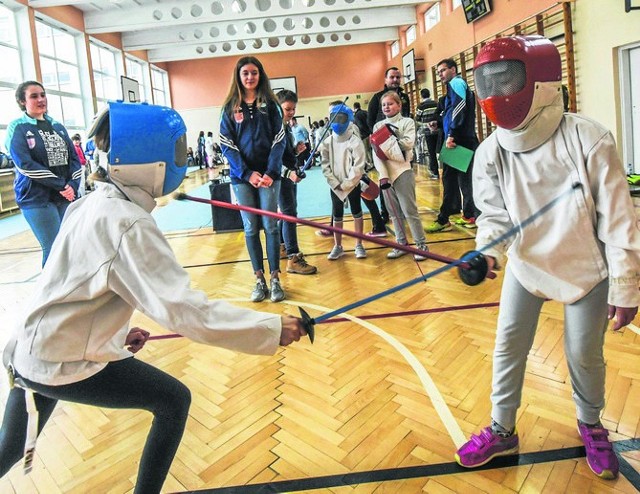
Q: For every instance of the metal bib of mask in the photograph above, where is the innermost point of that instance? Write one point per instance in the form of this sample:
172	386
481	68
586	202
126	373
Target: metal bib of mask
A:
506	71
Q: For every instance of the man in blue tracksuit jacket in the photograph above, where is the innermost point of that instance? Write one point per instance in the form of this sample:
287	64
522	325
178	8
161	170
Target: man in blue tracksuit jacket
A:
459	129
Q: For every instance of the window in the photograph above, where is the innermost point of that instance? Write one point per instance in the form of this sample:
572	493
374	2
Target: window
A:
411	34
160	83
61	75
10	69
629	61
395	49
105	73
455	4
431	17
138	70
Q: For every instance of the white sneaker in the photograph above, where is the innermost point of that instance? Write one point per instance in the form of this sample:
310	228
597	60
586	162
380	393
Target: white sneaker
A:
396	253
360	252
336	253
423	247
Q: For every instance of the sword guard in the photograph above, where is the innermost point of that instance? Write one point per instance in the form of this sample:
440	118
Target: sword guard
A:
308	323
477	270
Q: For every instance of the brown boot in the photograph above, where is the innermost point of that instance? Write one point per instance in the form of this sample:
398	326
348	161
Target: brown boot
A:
297	265
283	251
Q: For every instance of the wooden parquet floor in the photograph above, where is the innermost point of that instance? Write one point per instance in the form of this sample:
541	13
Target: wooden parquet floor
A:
390	398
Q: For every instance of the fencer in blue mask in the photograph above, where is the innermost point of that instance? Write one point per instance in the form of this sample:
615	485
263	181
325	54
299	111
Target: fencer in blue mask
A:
343	160
109	259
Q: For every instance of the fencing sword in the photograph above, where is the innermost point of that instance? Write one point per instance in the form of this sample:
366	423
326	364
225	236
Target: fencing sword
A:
325	133
349	233
474	258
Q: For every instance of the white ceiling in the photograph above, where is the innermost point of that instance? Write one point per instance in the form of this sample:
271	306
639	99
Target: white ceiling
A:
190	29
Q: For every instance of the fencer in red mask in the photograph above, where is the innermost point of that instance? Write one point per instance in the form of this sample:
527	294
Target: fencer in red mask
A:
536	154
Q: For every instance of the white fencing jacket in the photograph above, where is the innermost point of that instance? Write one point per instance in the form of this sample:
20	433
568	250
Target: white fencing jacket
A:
591	234
108	260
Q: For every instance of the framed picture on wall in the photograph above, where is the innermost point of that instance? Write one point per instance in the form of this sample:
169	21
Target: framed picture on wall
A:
280	83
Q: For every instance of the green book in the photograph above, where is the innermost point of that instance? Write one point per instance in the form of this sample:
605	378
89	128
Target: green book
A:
458	157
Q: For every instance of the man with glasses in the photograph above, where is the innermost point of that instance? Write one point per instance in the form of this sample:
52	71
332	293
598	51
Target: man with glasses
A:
458	120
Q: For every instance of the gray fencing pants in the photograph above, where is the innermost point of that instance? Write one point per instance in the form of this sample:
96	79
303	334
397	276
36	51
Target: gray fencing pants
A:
585	323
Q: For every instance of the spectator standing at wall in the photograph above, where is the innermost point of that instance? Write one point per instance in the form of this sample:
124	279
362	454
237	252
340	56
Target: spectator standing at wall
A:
48	170
77	144
200	151
208	149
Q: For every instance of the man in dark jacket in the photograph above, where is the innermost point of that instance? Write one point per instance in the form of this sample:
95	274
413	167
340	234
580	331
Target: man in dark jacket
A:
392	81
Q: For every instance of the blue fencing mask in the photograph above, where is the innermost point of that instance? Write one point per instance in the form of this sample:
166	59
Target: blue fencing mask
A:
340	116
148	146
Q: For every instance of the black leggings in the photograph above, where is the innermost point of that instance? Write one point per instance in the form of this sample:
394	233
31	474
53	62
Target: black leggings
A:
127	383
354	202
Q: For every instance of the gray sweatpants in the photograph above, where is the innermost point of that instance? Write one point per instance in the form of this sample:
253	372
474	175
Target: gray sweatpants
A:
585	323
401	204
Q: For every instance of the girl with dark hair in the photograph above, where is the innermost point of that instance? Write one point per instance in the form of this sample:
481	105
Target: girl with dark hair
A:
252	137
48	170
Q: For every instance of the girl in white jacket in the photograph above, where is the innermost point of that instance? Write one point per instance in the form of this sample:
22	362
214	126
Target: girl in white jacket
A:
396	176
343	159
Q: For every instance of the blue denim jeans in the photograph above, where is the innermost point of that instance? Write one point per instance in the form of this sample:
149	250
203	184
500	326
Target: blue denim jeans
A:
265	198
289	205
45	224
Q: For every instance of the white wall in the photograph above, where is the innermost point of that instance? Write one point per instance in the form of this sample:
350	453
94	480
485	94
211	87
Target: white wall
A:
600	29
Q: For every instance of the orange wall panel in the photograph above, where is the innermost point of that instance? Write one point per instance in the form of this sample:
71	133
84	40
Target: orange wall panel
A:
112	39
453	35
67	15
318	72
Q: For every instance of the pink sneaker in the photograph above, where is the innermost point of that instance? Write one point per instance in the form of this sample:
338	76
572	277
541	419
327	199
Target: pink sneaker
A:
600	456
485	447
380	234
324	233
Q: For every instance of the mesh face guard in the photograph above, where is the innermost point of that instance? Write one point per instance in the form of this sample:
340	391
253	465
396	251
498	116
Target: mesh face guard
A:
502	78
506	71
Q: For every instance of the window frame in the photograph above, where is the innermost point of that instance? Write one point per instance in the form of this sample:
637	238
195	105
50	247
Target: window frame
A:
428	17
145	83
80	64
395	48
411	29
98	68
165	99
